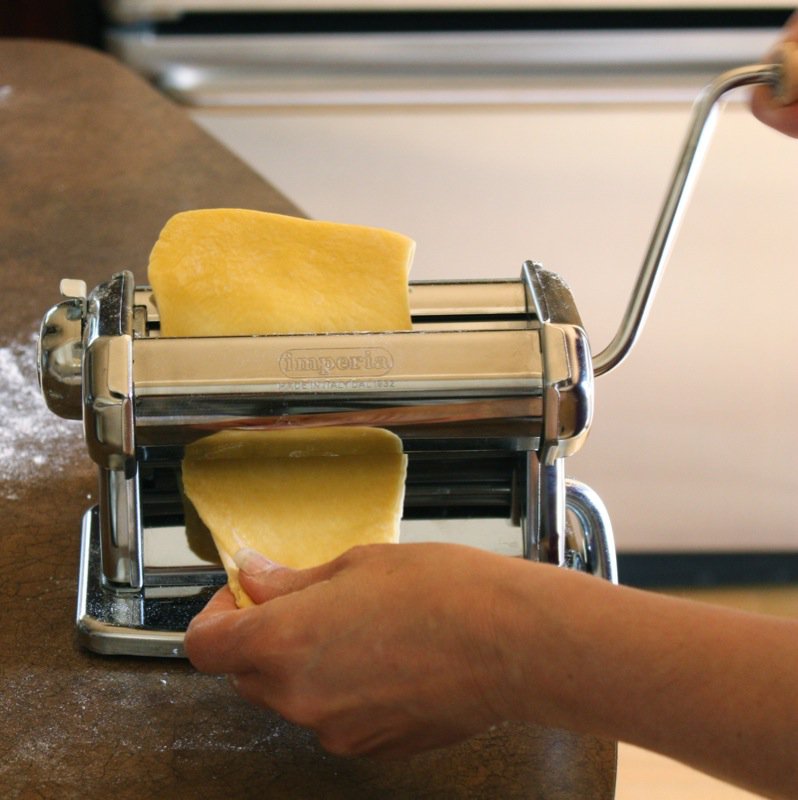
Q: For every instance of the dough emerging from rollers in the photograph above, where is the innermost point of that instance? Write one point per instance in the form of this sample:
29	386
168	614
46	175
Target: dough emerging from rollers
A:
299	496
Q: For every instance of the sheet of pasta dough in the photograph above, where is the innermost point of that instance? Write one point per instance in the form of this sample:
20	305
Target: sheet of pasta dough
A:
233	272
299	496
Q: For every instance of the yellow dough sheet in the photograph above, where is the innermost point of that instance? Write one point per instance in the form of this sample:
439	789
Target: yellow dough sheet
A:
299	496
233	272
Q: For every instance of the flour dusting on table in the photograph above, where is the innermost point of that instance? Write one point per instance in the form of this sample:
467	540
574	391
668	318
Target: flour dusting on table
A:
34	442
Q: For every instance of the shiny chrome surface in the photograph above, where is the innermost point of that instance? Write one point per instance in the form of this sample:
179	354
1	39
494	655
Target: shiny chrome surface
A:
120	519
431	302
475	355
544	527
108	414
589	536
109	426
151	621
59	355
474	363
130	622
434	381
469	372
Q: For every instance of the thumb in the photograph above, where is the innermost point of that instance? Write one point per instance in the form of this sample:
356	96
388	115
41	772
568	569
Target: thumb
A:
263	580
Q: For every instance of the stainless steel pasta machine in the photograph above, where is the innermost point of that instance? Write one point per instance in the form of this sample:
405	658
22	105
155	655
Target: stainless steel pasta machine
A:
490	392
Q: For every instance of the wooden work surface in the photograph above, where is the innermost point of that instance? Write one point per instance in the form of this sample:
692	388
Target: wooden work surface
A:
93	161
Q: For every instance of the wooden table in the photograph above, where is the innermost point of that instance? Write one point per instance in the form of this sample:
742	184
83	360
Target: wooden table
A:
93	161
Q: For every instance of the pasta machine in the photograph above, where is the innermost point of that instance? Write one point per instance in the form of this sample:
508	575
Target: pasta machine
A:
490	392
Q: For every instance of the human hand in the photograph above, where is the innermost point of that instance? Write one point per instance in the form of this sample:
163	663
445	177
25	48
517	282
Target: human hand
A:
769	109
387	650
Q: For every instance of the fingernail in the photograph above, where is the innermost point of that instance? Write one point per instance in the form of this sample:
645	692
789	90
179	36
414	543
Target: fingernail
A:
252	562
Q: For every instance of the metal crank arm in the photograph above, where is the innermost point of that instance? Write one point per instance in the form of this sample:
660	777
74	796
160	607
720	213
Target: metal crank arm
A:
782	75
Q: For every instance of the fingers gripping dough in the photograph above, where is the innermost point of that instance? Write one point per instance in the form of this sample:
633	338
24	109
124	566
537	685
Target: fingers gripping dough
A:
301	497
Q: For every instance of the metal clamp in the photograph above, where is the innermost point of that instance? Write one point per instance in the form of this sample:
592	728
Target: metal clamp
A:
590	545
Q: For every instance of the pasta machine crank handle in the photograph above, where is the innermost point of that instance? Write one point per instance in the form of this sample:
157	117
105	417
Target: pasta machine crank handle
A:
782	75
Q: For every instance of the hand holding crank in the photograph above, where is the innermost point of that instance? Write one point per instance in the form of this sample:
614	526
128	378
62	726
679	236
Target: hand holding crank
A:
781	113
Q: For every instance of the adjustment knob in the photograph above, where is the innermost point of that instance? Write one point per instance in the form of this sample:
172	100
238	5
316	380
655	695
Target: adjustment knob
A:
60	352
